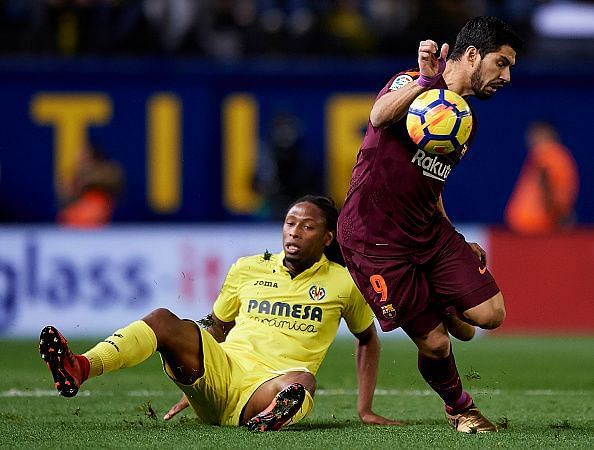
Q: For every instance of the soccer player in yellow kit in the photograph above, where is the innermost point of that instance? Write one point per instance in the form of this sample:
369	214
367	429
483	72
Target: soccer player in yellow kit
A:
272	323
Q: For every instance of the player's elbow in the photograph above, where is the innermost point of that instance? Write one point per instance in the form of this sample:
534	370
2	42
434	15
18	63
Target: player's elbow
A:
368	337
378	118
371	344
382	117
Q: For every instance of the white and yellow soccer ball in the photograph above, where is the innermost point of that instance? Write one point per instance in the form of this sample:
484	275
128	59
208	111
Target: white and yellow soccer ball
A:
439	121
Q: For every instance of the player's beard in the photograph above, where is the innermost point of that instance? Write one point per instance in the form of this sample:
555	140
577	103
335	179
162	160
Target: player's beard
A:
476	83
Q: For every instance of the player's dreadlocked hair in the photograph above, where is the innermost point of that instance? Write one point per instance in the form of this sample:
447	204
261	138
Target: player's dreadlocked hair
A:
330	212
487	34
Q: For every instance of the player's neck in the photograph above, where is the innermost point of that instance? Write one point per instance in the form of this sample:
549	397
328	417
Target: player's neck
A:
457	78
297	267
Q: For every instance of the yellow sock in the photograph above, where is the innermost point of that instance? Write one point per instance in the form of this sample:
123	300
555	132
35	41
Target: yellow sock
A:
126	347
306	407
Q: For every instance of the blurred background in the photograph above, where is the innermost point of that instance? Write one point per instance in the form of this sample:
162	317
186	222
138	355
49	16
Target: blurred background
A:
146	144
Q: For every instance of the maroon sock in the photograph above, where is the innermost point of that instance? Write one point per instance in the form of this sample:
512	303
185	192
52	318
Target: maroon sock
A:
85	366
442	375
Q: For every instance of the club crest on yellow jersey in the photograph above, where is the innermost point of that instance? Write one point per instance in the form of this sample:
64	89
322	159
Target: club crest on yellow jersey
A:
317	293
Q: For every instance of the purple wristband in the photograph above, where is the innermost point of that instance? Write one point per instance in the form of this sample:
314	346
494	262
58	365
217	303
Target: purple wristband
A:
426	82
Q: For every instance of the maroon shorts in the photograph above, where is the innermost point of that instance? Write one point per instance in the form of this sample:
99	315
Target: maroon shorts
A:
411	291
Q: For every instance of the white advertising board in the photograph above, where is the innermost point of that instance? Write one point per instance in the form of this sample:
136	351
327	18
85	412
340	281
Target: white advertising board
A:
89	283
93	282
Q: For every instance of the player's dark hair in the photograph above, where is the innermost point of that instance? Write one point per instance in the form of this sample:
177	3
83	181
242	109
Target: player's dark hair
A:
487	34
330	212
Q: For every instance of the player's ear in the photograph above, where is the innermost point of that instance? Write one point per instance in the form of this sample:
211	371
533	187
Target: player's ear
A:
329	238
471	54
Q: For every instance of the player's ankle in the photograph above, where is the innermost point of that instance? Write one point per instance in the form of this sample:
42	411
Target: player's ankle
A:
85	367
463	403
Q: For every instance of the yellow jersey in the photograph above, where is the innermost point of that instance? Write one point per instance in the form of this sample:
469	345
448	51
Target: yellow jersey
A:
283	322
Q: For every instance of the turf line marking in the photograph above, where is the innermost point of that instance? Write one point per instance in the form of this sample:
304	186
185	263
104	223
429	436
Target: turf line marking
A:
320	392
142	393
37	393
428	392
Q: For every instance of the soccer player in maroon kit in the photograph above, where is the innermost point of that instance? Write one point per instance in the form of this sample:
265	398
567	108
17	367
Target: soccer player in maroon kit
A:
414	269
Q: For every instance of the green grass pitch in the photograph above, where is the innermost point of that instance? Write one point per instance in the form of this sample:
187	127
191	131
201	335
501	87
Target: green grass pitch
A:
541	389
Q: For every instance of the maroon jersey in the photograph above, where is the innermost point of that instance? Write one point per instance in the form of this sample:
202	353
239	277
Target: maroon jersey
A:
391	204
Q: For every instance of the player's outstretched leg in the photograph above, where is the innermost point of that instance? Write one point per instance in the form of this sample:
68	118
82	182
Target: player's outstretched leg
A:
470	420
126	347
282	408
69	370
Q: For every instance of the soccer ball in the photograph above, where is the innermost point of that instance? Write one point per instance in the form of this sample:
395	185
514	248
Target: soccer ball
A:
439	121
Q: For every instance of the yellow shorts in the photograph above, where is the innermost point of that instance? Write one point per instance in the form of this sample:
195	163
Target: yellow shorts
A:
219	396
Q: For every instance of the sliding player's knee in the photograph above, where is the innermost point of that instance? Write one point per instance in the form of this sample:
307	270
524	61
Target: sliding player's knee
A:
162	321
306	379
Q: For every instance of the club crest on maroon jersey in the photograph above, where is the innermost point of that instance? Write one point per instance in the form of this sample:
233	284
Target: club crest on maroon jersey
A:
388	311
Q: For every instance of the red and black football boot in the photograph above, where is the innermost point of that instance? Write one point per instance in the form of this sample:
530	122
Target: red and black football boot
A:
69	370
282	409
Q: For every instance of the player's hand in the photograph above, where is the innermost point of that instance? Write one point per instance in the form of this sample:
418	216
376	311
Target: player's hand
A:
432	64
479	252
371	418
179	406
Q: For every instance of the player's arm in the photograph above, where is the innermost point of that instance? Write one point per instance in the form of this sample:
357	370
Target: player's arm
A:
177	408
476	248
393	105
441	208
218	328
457	327
227	305
367	354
